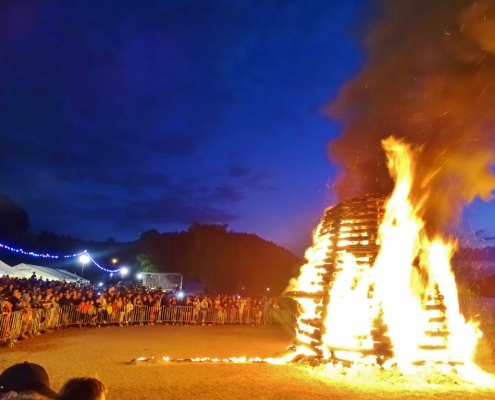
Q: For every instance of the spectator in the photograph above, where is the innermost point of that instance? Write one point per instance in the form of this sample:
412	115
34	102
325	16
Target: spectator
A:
241	306
66	300
101	308
247	311
172	302
232	313
139	307
267	308
129	307
196	308
82	389
188	313
92	313
119	304
156	309
26	379
204	309
41	306
257	314
15	300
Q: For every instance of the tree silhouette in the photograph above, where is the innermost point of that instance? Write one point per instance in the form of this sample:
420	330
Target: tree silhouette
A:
14	220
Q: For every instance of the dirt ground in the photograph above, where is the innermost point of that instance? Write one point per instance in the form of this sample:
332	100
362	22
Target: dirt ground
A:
106	352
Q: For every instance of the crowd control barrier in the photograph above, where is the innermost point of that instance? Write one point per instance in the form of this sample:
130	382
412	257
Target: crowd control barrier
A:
10	327
184	315
22	324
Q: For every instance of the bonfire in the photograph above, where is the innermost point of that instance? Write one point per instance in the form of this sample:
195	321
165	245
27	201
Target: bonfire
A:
377	294
378	291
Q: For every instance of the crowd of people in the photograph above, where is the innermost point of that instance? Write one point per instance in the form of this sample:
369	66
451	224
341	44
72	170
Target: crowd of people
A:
70	304
67	304
30	381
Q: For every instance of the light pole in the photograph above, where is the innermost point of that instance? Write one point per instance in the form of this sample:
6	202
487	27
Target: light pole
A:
84	258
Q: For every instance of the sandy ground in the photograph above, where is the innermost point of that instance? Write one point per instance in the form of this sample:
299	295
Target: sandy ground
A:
105	353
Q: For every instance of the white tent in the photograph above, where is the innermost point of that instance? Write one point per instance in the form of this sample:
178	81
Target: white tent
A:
6	269
44	272
71	276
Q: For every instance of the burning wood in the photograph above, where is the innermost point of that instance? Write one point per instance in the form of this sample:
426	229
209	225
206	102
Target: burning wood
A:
377	290
350	227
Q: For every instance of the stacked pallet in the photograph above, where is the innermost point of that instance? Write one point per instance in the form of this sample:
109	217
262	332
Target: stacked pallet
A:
349	227
346	246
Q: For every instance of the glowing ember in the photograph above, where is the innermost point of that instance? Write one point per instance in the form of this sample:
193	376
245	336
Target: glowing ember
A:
376	290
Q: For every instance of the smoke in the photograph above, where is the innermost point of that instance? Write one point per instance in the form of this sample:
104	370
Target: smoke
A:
429	80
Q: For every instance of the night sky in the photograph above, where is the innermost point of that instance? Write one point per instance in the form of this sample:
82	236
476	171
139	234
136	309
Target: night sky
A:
121	117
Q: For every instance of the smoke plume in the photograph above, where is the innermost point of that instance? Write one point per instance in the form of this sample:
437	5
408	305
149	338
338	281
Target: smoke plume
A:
429	80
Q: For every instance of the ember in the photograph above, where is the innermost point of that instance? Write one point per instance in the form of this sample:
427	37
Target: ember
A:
376	290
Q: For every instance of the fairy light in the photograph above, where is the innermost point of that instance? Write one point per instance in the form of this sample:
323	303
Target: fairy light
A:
112	271
55	256
39	255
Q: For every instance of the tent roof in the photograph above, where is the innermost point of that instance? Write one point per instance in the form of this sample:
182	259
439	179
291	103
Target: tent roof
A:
71	276
6	269
43	272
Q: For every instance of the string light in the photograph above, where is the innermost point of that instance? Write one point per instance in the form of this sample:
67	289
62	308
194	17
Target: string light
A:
54	256
112	271
39	255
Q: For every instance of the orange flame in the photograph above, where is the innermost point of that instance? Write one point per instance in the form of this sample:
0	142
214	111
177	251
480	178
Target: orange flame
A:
400	309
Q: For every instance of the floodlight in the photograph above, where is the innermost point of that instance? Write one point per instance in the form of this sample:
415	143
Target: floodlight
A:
84	258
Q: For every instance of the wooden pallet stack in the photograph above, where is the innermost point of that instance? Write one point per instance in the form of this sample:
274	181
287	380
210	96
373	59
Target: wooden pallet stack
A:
349	227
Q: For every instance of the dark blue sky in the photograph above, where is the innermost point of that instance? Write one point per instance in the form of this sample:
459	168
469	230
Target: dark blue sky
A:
120	117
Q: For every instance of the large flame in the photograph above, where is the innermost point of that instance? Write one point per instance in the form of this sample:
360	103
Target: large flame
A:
402	309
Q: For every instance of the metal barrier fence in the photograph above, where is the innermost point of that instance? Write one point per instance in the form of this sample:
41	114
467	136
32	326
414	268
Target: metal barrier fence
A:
185	315
10	327
20	324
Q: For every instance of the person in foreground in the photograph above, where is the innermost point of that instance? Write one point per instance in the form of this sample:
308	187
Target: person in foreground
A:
82	389
25	381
